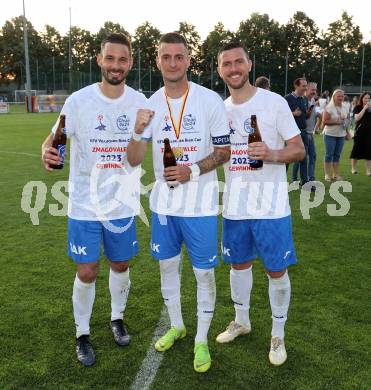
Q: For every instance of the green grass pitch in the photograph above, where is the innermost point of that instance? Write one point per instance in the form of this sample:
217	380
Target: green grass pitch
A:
328	332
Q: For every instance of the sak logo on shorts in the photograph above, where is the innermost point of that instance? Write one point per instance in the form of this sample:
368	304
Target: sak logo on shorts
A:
189	122
155	247
247	126
123	122
77	249
226	251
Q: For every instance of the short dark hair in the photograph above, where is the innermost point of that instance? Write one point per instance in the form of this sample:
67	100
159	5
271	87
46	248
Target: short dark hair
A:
298	81
173	37
262	82
116	38
234	44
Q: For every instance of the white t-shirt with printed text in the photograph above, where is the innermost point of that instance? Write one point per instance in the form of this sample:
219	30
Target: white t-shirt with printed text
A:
102	184
204	125
257	194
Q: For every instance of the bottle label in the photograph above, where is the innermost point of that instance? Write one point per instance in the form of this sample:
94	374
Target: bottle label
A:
247	126
252	162
62	152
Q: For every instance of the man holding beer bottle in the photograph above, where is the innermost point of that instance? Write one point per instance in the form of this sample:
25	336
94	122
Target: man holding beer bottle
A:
100	119
256	211
194	121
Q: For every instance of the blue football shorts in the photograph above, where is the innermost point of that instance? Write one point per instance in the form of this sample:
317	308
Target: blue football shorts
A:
270	239
118	237
199	234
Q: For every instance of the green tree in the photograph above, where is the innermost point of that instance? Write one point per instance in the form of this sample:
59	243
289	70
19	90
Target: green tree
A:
108	27
146	40
304	52
145	45
82	43
265	39
194	42
209	56
341	43
12	49
52	41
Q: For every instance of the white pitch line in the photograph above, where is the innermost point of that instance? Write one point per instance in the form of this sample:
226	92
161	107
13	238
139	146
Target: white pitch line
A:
152	361
26	154
21	153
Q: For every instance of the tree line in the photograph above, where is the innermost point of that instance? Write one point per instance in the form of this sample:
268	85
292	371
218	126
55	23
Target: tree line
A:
298	45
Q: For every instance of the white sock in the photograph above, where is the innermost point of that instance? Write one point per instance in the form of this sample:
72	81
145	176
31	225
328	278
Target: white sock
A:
170	289
82	300
241	285
279	297
119	286
206	294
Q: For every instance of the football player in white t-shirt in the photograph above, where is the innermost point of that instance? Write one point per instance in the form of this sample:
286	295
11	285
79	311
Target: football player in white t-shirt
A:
193	118
104	188
256	211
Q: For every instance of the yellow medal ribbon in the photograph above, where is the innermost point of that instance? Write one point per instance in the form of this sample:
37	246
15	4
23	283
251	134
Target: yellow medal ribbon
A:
177	128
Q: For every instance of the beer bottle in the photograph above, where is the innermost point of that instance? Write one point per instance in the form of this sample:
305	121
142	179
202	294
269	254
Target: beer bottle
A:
255	136
60	140
169	157
169	160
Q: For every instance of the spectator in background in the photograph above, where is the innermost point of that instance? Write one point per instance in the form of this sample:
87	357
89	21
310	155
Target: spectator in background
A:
298	104
335	125
362	136
347	104
351	114
312	115
354	103
323	100
263	82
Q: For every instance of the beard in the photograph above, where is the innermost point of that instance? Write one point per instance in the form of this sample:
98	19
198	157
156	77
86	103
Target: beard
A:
237	86
114	80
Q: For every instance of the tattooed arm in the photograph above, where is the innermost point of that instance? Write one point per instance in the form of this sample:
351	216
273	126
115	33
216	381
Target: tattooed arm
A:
219	156
182	173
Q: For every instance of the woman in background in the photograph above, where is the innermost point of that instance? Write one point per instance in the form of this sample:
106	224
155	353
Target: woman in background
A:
362	135
335	121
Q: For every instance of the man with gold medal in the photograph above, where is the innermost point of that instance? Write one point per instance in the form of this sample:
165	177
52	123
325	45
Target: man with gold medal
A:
194	120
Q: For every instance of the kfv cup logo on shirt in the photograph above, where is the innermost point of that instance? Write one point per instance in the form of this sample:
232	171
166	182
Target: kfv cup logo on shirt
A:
189	122
123	122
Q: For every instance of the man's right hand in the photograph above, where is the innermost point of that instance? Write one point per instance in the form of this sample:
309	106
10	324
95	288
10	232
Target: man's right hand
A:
297	112
50	156
144	117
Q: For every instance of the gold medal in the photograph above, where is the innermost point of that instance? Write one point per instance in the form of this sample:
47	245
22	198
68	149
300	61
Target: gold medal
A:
178	152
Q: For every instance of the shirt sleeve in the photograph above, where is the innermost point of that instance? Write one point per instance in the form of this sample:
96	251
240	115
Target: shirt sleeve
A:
286	125
218	122
69	111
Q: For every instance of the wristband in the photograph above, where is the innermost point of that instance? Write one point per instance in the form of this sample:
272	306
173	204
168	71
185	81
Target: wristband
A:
137	137
195	172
